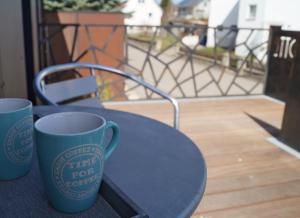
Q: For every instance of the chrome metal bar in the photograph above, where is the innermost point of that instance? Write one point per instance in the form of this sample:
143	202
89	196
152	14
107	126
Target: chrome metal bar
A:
187	67
63	67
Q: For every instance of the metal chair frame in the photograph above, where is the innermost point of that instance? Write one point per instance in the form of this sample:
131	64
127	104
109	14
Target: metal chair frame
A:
39	84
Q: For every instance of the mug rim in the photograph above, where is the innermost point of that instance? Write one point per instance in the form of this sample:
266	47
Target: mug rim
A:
69	134
28	105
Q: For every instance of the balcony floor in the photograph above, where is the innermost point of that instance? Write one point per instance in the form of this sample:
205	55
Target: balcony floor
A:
247	176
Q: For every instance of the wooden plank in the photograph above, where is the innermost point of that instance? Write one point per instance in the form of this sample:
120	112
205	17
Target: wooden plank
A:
250	180
245	168
281	208
248	157
250	196
247	176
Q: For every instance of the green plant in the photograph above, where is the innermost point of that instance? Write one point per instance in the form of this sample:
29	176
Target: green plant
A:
141	37
165	40
84	5
104	88
217	54
166	6
211	52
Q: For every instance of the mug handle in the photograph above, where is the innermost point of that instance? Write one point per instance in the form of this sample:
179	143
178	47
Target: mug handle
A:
114	139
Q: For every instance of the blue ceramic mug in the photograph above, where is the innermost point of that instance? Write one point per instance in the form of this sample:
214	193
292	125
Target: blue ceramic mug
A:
71	153
16	139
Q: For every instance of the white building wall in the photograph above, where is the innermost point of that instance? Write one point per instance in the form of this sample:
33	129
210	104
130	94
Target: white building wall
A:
221	13
285	13
257	37
269	12
201	11
245	21
144	12
221	10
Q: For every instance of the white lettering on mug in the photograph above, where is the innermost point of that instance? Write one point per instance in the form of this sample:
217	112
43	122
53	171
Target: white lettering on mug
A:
77	171
18	142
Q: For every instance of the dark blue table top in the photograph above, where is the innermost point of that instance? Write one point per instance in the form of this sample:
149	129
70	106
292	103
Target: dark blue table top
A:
157	166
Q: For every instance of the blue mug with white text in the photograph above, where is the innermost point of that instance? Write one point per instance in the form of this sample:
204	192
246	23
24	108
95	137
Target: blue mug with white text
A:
16	137
71	153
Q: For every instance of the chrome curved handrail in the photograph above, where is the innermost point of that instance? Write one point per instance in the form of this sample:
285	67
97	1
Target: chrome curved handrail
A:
62	67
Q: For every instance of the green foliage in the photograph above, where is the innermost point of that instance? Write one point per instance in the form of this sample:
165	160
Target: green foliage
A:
105	91
218	53
141	37
211	52
84	5
164	4
165	40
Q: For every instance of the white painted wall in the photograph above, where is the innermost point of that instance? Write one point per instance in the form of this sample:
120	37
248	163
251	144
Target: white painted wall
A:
144	12
245	21
201	11
258	36
222	12
285	13
269	12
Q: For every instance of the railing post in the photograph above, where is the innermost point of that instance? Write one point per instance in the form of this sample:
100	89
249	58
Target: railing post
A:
274	30
198	63
126	45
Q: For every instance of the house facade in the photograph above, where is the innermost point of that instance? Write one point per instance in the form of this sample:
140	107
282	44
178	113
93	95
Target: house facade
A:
258	14
142	12
263	13
223	13
194	9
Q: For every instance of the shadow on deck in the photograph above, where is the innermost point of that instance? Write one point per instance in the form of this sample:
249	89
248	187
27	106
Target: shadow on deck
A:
247	176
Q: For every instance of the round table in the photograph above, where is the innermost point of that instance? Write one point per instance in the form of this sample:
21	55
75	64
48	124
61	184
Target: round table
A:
157	166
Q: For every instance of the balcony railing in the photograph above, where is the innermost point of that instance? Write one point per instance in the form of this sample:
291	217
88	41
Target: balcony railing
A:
186	61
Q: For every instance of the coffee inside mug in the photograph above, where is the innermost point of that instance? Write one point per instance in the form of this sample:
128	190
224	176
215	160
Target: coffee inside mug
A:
8	105
69	123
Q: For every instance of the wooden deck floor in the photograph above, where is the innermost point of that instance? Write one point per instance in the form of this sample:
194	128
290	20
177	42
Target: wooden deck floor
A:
247	176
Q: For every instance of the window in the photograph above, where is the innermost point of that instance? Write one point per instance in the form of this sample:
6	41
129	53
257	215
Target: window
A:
183	12
199	11
252	12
